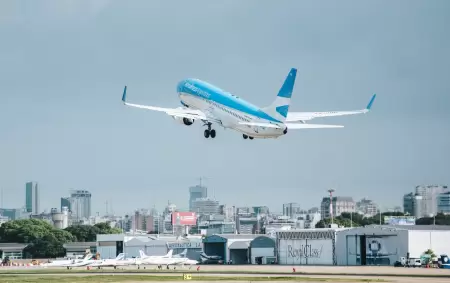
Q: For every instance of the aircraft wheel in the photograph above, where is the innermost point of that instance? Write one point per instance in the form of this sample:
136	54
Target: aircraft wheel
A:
250	138
245	137
206	133
213	133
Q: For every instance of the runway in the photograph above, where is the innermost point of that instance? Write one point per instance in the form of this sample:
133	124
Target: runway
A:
230	273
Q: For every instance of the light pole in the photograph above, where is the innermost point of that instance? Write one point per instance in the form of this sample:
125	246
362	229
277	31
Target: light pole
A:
331	204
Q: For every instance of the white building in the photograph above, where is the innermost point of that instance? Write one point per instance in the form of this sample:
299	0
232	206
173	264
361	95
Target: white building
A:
427	199
384	245
370	245
366	207
340	205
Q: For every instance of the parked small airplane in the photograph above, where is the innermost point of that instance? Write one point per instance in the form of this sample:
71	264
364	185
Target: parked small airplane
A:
120	260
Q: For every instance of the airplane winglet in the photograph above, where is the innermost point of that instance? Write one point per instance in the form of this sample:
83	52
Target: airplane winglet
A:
124	96
371	102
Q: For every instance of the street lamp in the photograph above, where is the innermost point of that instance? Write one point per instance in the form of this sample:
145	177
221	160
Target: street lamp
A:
331	204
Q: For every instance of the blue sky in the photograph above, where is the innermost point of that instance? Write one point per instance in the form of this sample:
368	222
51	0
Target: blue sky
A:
63	65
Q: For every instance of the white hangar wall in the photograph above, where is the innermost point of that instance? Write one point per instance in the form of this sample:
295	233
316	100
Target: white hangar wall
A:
307	247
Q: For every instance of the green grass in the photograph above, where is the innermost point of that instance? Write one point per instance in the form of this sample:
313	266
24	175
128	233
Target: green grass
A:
146	278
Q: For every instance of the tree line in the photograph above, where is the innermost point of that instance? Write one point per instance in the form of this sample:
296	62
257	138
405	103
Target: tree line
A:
44	240
347	219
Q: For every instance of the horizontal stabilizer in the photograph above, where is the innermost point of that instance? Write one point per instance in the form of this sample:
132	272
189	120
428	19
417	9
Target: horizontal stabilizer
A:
264	125
294	126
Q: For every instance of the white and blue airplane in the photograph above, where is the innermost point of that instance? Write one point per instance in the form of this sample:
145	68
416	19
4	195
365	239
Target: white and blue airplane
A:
212	105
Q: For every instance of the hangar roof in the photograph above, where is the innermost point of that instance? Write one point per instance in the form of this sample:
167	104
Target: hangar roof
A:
79	246
222	238
12	247
263	242
239	245
414	227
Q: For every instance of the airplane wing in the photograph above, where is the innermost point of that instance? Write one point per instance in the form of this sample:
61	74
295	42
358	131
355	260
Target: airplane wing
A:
294	126
264	125
306	116
291	126
174	112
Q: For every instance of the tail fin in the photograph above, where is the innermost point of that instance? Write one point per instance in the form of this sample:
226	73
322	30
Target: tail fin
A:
280	107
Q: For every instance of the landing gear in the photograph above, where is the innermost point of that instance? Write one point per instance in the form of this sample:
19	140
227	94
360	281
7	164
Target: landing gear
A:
209	132
246	137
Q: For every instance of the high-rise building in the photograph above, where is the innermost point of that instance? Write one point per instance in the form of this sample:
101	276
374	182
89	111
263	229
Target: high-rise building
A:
196	192
367	207
340	205
408	203
205	206
65	202
444	203
428	199
32	198
291	209
79	204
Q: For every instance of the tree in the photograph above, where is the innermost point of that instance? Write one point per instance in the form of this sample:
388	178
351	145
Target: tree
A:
340	221
44	239
105	228
83	233
88	233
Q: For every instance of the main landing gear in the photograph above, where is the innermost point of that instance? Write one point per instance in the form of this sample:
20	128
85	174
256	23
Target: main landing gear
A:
246	137
210	132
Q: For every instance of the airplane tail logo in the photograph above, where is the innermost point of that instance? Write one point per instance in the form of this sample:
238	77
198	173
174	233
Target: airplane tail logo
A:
280	107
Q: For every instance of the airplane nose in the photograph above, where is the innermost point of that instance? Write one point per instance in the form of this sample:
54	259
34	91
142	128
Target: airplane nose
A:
180	86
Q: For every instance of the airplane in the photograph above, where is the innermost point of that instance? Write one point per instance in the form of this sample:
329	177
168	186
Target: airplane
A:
120	260
207	103
211	259
66	262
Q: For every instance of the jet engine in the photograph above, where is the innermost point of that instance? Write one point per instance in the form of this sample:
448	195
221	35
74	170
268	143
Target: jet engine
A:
185	121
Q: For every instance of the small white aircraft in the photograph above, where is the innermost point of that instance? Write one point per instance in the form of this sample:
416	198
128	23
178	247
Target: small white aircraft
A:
66	262
120	260
210	104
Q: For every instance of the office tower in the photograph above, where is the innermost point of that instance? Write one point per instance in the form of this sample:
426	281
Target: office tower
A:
32	198
196	192
291	209
79	204
429	199
205	206
408	204
444	203
65	202
367	207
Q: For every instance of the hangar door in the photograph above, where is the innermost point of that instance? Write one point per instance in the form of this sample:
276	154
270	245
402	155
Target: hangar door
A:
215	246
239	252
306	251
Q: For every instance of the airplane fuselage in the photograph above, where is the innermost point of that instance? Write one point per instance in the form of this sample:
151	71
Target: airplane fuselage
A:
229	109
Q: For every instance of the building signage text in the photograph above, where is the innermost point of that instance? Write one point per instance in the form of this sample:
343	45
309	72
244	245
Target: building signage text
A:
304	251
192	245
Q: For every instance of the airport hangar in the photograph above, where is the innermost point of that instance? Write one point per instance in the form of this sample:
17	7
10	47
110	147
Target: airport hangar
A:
241	248
369	245
110	245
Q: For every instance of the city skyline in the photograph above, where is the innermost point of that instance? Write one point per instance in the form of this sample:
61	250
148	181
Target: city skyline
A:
63	125
184	204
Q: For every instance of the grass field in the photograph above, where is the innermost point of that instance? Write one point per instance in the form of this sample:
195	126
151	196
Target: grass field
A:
82	278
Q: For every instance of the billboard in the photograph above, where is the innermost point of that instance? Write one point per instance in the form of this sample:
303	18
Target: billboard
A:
184	218
400	220
306	251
